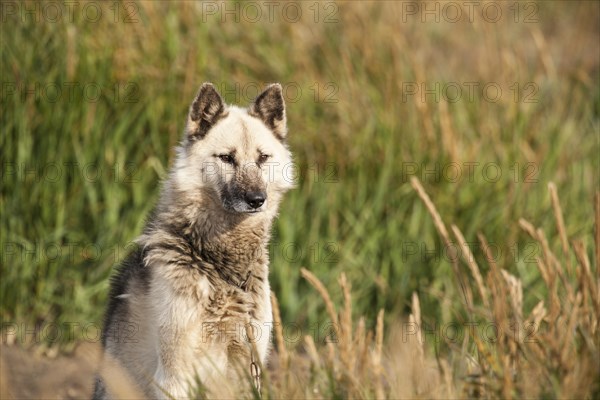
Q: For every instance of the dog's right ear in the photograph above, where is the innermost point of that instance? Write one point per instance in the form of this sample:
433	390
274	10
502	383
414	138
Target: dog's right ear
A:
206	109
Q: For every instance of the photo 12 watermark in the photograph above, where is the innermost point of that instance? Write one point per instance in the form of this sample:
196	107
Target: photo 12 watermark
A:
526	12
55	172
469	91
293	92
455	332
72	92
317	12
413	251
470	171
130	12
213	332
73	252
69	11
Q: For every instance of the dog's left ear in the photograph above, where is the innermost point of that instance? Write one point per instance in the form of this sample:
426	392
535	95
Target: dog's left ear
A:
269	107
206	109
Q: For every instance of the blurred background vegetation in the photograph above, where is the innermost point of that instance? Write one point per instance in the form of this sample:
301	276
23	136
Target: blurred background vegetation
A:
484	109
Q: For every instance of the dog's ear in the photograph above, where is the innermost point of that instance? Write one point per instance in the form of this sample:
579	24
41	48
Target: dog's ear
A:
206	109
269	107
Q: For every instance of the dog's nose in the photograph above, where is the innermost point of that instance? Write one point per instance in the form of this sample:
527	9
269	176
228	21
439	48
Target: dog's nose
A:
255	199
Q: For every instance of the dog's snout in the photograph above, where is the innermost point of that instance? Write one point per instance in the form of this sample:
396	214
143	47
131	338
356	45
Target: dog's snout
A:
255	199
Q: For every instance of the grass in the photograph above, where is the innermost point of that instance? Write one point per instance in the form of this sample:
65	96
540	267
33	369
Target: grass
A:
81	170
548	351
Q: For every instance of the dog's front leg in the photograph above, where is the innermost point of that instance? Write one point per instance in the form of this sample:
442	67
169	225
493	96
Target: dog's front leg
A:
175	316
169	378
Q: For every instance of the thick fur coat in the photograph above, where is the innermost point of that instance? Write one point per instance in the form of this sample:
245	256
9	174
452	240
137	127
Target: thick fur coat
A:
192	303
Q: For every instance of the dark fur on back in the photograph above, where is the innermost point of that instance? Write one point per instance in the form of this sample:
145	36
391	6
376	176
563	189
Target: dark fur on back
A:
131	270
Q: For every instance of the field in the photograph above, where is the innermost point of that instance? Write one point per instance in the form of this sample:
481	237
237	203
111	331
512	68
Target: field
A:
447	174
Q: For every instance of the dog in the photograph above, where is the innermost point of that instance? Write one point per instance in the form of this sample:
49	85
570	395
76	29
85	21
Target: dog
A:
192	303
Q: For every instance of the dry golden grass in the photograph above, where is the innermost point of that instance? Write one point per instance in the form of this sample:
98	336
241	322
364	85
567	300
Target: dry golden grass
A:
551	351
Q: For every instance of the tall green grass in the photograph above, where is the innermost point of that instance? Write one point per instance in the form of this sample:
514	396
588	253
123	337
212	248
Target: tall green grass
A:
79	176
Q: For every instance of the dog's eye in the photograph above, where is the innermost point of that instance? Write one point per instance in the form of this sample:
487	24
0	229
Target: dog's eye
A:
226	158
263	157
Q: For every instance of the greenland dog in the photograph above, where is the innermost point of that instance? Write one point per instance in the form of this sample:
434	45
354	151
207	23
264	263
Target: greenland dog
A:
192	303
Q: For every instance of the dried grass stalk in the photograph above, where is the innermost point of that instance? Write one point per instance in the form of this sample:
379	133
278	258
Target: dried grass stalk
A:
284	357
470	259
528	227
415	318
441	228
560	224
379	392
437	220
597	237
587	278
347	354
311	349
310	277
516	294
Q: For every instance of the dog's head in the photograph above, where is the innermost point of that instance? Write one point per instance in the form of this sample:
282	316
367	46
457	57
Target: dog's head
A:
239	156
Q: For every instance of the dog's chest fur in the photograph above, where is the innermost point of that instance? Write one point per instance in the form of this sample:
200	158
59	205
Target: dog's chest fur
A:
216	284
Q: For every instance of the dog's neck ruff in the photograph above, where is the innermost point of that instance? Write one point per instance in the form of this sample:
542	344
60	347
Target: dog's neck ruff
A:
230	247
